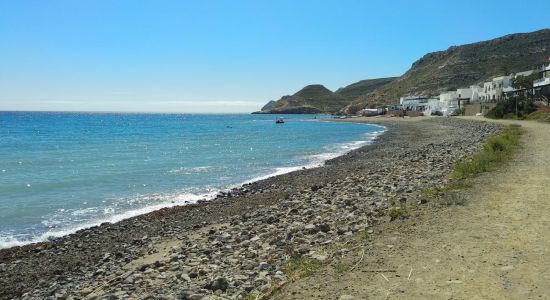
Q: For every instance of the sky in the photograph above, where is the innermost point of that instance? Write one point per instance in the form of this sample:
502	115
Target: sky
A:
209	56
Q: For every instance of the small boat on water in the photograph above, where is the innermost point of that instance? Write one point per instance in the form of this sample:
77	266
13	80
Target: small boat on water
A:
279	120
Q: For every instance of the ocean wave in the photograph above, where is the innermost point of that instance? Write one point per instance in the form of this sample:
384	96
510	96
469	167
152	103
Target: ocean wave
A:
277	171
8	239
336	150
191	170
333	151
84	218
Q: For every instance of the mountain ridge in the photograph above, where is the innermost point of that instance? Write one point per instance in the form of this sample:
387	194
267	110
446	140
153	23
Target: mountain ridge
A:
316	98
435	72
462	66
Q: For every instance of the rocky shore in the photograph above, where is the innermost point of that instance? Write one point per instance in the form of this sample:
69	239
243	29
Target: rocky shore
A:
240	244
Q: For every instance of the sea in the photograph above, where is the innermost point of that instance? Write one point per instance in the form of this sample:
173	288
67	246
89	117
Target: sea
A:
61	172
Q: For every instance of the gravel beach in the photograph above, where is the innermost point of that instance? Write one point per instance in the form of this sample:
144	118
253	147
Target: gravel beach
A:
238	244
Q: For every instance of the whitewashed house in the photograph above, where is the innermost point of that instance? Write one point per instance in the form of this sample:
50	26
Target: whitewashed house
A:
494	89
448	102
464	93
487	87
478	93
545	80
414	103
434	106
369	112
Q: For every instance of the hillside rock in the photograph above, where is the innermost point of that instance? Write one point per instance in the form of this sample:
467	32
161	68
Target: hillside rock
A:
316	98
269	105
313	98
462	66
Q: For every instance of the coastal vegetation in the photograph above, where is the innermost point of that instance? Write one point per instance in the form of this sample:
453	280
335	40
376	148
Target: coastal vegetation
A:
542	114
512	109
524	82
302	267
398	212
498	150
341	268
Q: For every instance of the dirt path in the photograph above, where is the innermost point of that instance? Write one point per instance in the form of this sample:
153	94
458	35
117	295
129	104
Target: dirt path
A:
496	246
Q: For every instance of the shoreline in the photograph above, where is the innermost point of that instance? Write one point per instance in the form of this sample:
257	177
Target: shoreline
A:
52	237
251	217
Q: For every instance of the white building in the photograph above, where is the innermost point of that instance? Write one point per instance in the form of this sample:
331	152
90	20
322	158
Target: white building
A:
448	102
414	103
499	84
524	73
494	89
369	112
464	93
545	77
478	93
434	107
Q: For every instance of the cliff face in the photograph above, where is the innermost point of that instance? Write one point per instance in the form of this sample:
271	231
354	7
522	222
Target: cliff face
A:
462	66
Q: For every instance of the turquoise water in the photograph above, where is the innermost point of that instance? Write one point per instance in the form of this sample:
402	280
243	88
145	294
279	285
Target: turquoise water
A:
60	172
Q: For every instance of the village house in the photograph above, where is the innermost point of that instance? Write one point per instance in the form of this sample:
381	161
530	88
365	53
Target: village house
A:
434	107
477	93
545	80
448	102
483	98
494	90
414	103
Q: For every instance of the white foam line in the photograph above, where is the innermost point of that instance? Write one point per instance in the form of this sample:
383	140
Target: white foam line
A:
317	160
278	171
181	199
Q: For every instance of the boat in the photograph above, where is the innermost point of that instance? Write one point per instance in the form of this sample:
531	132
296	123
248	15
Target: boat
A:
279	120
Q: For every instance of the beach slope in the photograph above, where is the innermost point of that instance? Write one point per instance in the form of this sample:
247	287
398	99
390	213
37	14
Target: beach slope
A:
494	246
253	240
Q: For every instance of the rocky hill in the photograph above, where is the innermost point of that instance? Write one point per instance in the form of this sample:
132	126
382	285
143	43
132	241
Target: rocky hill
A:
318	99
269	105
436	72
462	66
362	87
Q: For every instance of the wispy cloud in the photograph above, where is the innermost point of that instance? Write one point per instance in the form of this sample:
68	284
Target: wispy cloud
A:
215	106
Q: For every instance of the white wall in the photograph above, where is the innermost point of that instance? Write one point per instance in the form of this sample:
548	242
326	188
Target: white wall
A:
477	93
448	96
465	93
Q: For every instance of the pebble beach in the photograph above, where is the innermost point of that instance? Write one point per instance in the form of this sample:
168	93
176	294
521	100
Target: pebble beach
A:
240	244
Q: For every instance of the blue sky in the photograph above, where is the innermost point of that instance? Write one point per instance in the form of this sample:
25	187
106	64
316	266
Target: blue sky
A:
225	56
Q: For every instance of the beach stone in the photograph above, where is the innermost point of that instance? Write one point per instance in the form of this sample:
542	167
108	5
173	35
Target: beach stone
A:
186	277
311	229
219	284
324	227
319	257
264	266
264	287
